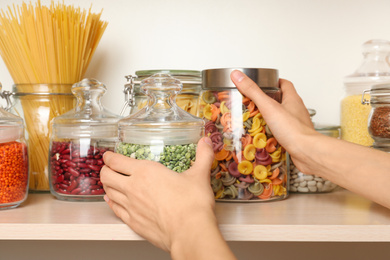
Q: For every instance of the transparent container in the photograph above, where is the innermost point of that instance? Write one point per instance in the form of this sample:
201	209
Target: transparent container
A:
249	165
311	183
79	139
161	131
38	104
187	99
13	159
379	118
375	69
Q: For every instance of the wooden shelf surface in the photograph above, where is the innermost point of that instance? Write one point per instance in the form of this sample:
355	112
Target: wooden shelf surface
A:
340	216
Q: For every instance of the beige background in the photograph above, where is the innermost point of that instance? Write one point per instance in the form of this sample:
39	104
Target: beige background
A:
313	43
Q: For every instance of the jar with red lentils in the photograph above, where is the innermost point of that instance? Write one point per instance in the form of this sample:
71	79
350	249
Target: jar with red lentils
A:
13	159
78	141
250	165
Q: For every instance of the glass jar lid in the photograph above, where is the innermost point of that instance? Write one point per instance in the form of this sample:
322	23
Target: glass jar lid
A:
161	120
185	76
89	118
380	94
220	78
11	126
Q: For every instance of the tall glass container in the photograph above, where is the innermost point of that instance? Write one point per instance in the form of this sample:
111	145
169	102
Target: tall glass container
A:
375	69
79	139
13	159
187	99
250	164
38	104
161	131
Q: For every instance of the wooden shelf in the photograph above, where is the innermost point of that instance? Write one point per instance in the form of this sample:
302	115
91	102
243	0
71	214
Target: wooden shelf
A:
333	217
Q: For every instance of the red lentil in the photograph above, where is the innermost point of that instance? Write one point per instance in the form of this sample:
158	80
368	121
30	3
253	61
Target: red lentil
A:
13	172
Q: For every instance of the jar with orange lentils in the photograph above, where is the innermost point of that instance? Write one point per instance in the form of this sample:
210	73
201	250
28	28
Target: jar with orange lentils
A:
13	159
250	165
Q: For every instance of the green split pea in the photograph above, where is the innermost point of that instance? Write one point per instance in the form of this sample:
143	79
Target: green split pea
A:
178	158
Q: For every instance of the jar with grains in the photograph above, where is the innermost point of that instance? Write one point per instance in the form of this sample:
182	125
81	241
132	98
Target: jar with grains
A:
308	183
379	118
13	158
186	100
375	69
161	131
250	165
79	139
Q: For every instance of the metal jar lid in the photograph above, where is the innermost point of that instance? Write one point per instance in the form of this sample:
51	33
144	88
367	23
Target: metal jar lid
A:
220	78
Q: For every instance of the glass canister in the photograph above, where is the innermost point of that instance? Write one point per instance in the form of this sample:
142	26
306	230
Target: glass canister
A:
38	104
186	100
379	118
161	131
375	69
79	139
13	159
308	183
250	164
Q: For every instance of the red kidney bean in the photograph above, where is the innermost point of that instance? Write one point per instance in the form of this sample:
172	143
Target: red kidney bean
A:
71	164
94	167
75	173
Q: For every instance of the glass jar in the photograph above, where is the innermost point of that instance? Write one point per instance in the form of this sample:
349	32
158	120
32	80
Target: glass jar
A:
13	159
379	118
161	131
79	139
38	104
375	69
311	183
249	165
186	100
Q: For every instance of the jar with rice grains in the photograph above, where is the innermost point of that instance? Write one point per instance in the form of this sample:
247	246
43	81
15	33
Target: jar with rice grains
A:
374	70
250	164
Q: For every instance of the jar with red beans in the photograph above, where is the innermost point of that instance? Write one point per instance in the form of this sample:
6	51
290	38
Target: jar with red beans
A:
78	141
13	158
250	165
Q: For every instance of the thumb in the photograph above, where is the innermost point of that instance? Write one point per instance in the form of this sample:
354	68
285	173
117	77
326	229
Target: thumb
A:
204	157
250	89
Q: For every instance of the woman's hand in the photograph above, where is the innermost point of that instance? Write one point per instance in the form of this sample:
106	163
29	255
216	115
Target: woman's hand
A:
174	211
289	120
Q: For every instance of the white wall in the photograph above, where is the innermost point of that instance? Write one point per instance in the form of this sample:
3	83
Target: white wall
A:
313	43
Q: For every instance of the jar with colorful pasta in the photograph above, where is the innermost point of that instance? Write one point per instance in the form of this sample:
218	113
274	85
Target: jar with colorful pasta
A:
250	164
161	131
79	139
186	100
13	159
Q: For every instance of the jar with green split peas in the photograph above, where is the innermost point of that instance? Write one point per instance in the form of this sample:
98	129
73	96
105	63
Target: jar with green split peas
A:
187	99
79	139
250	165
379	118
375	69
13	158
161	131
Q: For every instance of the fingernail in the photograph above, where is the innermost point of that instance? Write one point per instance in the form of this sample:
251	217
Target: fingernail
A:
237	76
208	141
106	198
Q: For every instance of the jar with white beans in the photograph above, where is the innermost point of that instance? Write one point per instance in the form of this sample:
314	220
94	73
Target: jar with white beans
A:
307	183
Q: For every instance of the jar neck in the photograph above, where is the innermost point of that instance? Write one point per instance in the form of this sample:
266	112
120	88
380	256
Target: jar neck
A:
89	101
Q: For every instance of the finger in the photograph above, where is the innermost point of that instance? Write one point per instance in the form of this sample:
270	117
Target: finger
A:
250	89
119	211
113	179
114	194
204	157
118	162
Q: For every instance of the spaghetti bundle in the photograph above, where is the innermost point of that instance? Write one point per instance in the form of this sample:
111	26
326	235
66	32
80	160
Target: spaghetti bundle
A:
46	50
